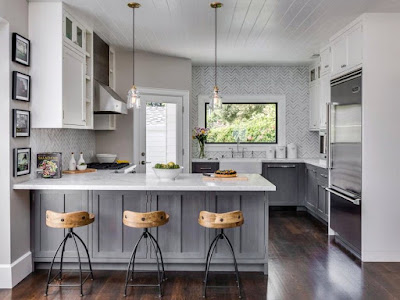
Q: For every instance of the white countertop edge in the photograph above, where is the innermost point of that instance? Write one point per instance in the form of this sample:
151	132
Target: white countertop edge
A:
122	188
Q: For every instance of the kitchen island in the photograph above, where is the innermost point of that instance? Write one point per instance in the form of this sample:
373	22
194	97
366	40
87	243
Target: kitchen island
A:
183	241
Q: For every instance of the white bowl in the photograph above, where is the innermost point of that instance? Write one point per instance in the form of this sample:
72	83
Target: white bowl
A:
81	167
106	158
167	174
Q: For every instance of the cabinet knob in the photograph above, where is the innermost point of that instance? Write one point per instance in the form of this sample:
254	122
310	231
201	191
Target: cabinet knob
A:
343	66
326	66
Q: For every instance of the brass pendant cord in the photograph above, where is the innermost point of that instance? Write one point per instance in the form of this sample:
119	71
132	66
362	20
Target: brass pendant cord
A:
215	61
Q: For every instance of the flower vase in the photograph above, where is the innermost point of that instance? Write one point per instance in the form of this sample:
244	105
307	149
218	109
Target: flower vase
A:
202	153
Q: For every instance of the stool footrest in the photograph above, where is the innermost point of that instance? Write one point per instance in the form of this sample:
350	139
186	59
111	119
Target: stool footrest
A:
69	285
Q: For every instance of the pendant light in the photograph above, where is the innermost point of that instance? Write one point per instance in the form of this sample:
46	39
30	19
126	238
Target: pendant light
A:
216	100
133	100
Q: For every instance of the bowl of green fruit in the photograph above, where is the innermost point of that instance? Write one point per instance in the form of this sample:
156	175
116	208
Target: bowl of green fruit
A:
167	172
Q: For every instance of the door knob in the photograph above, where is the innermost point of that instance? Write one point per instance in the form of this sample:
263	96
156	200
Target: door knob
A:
145	162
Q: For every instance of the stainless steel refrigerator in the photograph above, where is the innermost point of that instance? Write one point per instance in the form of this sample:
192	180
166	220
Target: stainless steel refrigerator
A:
344	159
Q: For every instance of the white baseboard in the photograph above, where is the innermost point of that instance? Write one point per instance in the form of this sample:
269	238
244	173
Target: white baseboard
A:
12	274
380	256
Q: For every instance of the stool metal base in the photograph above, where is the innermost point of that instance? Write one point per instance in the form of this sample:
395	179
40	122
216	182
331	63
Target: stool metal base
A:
211	250
72	235
160	264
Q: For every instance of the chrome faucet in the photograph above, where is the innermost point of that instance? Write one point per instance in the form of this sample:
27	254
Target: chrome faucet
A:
243	152
231	152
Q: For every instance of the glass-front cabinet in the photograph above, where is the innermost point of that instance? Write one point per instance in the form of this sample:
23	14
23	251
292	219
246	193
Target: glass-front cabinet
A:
74	33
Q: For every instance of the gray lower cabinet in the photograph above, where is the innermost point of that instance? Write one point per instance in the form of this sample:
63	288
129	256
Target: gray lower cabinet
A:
316	195
46	239
247	240
205	167
182	240
113	241
182	237
289	182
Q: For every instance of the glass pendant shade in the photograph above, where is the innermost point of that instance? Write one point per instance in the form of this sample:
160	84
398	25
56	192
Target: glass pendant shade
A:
216	100
133	100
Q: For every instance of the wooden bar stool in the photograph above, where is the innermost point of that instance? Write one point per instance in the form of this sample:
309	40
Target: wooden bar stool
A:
145	221
220	221
70	221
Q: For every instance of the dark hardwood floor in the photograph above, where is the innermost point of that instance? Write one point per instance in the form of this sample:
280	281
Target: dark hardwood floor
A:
304	264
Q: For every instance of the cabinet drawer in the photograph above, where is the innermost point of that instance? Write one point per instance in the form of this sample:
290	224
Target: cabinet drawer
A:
205	167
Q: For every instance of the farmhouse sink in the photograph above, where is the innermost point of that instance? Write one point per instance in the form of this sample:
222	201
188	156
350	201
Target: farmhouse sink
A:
242	165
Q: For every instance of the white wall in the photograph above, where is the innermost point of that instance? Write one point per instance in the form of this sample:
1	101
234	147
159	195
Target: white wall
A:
15	261
381	138
151	70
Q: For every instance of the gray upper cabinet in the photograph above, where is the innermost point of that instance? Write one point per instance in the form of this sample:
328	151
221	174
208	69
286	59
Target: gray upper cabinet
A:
287	179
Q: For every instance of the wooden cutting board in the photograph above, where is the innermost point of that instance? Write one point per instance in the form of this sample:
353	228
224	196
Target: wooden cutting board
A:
237	178
79	172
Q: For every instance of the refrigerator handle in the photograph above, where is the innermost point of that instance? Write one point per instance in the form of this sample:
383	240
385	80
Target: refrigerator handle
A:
328	134
354	201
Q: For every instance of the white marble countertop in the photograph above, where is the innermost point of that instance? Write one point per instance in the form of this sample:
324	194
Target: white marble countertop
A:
107	180
311	161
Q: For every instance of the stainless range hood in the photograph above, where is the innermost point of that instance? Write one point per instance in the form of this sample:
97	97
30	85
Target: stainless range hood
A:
106	101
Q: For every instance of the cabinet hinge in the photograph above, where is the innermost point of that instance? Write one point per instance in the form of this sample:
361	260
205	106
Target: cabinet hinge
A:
183	151
63	115
183	109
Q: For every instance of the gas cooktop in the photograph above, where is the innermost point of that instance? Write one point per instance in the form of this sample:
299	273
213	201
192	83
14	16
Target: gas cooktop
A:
107	166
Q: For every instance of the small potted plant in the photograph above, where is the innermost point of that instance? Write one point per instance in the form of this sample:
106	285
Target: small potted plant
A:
200	134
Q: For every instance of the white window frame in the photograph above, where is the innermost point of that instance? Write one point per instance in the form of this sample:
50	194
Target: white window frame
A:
281	105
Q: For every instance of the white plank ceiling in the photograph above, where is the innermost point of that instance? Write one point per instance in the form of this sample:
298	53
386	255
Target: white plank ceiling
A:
250	32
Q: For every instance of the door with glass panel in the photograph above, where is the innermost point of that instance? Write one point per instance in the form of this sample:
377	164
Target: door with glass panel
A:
160	132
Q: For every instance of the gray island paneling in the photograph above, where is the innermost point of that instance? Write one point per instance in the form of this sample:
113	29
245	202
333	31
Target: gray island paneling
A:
183	241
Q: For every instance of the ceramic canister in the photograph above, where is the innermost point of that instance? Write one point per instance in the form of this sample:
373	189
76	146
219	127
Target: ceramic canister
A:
280	152
271	153
292	151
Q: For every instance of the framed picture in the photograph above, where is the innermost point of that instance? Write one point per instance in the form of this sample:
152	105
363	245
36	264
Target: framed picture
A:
22	161
21	48
21	86
21	123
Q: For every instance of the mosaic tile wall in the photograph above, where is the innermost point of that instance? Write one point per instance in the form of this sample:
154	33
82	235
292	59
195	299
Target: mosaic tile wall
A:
65	141
289	81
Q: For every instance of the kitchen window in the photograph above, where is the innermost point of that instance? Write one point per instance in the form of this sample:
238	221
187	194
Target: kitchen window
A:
272	131
248	123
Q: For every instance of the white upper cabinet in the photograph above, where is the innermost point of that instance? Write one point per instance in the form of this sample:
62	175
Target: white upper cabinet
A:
74	32
62	65
346	48
339	55
314	106
74	96
325	98
354	41
326	60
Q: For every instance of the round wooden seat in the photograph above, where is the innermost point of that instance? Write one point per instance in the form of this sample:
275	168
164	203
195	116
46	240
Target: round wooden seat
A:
224	220
68	220
145	220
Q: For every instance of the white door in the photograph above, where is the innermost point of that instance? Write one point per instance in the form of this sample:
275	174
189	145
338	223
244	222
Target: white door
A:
74	99
160	132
